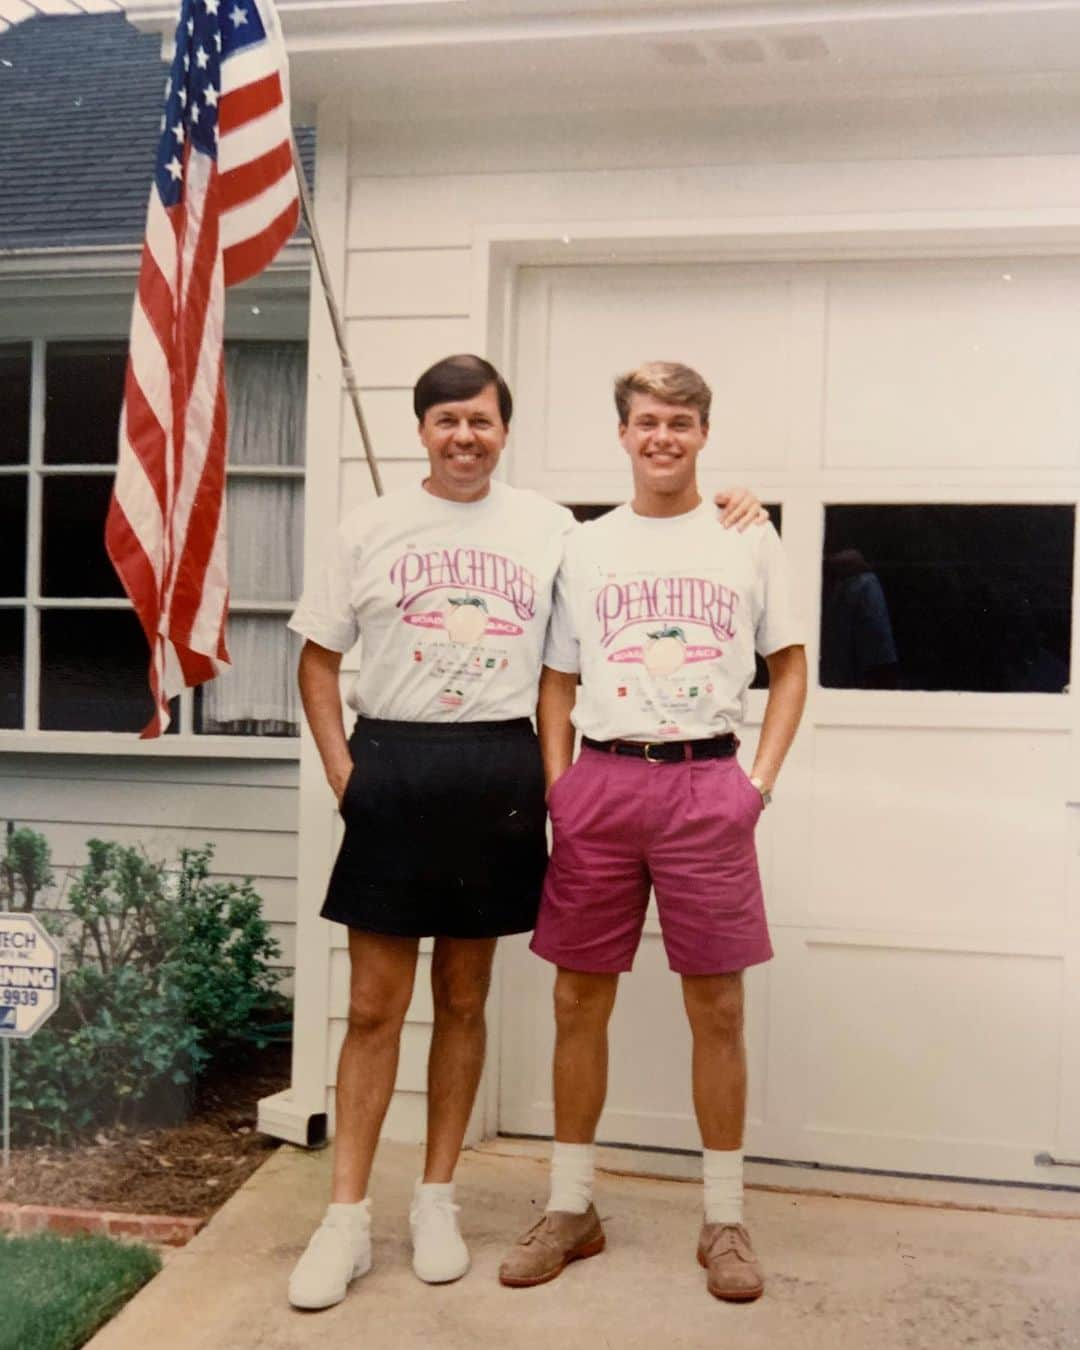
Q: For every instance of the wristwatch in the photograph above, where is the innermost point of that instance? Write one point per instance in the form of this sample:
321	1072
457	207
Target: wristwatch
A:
766	793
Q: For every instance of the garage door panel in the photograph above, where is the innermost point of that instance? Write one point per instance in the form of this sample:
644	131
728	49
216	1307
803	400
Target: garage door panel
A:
948	829
917	1045
584	328
960	366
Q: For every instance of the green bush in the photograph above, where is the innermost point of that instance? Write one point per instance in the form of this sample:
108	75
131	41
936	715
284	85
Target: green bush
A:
24	869
220	949
163	969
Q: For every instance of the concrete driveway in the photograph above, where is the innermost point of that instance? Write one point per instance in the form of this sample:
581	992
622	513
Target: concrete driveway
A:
841	1272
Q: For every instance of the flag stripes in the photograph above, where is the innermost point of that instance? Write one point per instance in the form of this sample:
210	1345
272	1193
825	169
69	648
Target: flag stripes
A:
224	201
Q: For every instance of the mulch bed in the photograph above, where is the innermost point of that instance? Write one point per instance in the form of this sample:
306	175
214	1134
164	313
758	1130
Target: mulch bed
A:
188	1168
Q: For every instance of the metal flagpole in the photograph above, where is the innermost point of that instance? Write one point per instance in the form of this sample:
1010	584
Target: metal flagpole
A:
335	320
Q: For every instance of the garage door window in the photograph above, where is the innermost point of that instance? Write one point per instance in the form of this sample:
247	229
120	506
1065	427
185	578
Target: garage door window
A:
947	597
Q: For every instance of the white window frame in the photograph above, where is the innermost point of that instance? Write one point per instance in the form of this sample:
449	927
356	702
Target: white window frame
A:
30	737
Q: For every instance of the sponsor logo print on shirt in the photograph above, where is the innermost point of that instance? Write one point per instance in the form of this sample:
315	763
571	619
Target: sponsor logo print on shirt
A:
665	652
473	571
673	600
679	602
465	621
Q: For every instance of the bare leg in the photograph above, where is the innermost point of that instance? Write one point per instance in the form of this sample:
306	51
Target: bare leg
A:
460	976
714	1005
380	987
583	1005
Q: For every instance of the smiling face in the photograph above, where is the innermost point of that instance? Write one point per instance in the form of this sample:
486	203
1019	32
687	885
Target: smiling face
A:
663	441
463	441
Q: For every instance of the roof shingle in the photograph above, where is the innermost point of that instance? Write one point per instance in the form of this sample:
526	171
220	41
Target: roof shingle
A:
80	103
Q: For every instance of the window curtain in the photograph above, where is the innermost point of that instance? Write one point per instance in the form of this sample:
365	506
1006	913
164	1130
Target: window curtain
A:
266	385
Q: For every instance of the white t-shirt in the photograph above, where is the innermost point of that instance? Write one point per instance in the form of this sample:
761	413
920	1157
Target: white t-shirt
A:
662	616
450	602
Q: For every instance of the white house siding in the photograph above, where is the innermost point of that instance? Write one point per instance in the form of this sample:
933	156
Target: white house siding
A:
246	810
409	215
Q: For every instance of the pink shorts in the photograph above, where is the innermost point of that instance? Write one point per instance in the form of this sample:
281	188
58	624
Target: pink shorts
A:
621	825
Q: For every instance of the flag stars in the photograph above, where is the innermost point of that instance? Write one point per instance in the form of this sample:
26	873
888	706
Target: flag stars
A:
217	41
187	61
212	6
178	132
174	170
195	112
181	94
202	58
210	96
190	27
238	16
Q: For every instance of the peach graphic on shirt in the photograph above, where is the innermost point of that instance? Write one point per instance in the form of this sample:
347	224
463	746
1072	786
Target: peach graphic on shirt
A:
666	651
466	619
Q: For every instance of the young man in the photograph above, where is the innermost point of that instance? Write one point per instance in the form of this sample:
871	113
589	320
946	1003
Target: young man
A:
448	586
661	620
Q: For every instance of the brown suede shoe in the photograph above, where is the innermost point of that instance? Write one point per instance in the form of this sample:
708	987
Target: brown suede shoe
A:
550	1245
734	1273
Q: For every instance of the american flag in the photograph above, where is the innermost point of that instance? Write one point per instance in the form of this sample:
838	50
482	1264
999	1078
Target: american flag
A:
224	201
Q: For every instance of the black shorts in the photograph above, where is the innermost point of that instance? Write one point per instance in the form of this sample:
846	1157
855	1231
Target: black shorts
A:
445	830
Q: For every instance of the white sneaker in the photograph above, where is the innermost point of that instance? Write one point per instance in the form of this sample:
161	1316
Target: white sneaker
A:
339	1252
439	1253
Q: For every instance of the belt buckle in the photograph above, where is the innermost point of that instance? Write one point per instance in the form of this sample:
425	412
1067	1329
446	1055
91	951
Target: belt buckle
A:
652	745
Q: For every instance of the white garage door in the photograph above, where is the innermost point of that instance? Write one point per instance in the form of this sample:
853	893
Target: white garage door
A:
923	1009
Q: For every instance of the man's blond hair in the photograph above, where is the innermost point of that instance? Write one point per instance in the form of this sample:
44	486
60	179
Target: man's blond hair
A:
668	381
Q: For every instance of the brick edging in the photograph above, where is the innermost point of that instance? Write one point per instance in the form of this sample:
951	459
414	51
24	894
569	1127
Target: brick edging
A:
171	1230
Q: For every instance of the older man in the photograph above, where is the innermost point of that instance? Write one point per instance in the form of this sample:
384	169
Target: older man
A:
660	618
447	585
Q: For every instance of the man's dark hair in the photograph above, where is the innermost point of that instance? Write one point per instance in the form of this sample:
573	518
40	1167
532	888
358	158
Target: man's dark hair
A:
456	378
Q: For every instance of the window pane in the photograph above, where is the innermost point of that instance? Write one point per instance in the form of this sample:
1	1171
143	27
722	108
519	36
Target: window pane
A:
15	402
258	695
266	383
12	622
94	672
12	535
266	538
974	598
74	561
84	388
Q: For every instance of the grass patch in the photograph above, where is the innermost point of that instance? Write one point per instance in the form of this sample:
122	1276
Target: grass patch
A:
56	1292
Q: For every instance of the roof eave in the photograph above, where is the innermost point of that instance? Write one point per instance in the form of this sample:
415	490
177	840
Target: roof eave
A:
115	260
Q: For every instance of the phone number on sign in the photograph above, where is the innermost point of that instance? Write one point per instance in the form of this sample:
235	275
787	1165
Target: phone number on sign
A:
12	996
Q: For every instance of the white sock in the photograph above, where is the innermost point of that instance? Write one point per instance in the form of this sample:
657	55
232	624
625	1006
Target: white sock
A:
356	1218
572	1167
434	1189
723	1171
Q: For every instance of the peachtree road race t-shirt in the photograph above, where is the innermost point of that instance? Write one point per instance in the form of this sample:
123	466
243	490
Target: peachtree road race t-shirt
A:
662	617
449	600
